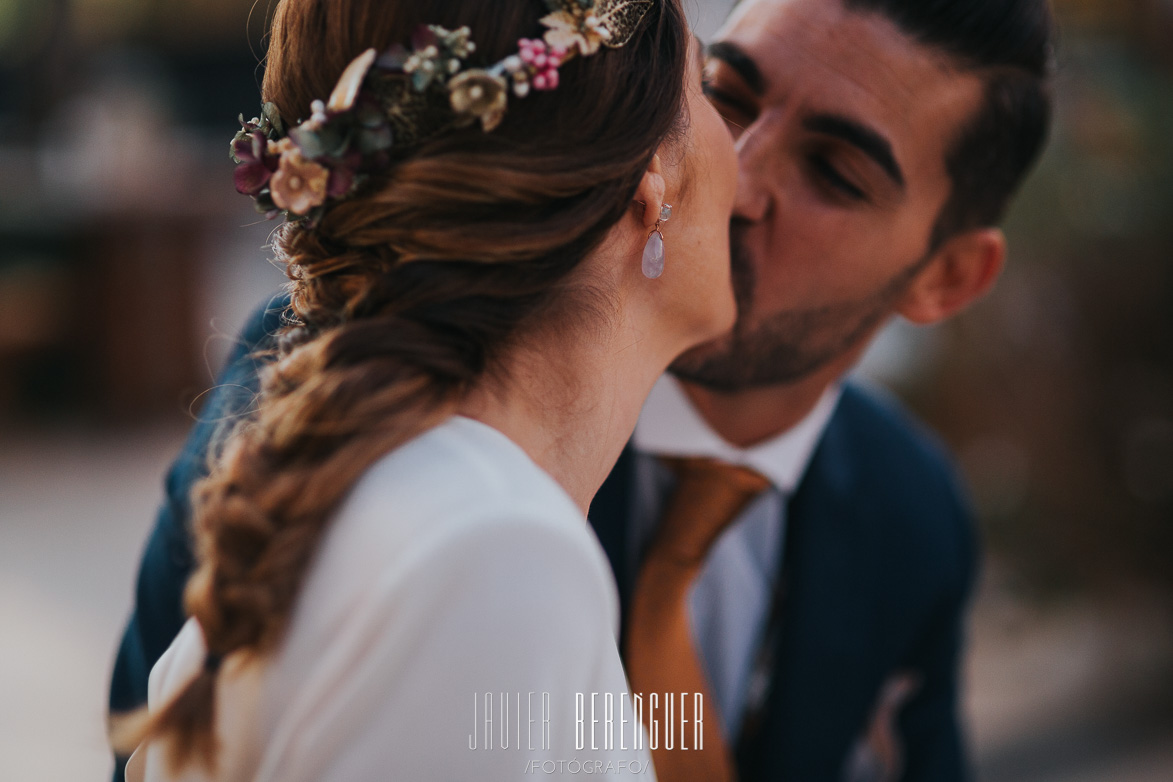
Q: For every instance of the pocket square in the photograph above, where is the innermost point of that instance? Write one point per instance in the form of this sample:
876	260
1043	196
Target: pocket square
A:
879	754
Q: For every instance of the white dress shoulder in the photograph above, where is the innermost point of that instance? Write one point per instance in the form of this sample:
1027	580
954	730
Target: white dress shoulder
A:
456	576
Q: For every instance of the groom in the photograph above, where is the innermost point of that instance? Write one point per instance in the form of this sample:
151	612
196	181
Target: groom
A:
879	141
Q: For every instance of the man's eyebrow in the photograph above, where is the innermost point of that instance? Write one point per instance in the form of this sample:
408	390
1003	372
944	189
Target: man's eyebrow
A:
732	55
859	136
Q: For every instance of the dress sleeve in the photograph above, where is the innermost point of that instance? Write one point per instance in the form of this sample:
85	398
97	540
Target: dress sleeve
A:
516	615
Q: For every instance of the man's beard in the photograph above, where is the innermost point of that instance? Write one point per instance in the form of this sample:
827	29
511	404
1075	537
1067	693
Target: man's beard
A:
787	346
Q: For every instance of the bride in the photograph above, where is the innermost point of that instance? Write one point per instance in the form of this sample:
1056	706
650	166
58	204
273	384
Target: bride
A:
504	223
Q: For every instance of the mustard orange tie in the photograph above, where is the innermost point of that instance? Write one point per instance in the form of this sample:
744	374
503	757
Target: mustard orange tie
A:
660	656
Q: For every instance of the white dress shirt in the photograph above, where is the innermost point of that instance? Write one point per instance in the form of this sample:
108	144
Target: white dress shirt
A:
729	603
455	568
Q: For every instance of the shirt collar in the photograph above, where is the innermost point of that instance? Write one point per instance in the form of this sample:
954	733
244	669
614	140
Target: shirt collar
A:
670	426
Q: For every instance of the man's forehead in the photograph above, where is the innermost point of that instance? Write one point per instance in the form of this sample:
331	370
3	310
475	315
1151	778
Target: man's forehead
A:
865	48
849	62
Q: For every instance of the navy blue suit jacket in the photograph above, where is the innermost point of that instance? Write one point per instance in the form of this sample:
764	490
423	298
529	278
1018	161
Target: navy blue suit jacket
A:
879	560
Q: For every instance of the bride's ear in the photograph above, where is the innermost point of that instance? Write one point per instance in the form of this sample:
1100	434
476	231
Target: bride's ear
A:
650	193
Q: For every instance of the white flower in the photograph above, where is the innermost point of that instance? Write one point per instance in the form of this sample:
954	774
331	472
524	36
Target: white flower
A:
343	97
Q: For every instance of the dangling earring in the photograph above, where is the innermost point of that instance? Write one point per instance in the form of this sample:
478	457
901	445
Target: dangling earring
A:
653	265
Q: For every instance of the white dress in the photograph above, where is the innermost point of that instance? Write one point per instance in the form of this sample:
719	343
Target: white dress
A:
456	575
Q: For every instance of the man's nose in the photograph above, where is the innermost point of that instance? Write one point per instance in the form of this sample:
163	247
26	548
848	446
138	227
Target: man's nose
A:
752	203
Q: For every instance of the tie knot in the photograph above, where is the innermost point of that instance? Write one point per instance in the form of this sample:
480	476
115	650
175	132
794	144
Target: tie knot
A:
709	495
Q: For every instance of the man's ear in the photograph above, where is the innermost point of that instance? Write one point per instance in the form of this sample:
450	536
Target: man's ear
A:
651	192
962	270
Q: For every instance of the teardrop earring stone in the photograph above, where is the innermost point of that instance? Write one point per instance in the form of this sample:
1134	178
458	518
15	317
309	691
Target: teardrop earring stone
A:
653	265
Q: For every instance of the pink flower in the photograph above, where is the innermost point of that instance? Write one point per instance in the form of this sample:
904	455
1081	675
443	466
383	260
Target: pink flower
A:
299	185
536	66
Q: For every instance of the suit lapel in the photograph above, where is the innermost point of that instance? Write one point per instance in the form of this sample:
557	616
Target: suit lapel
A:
820	698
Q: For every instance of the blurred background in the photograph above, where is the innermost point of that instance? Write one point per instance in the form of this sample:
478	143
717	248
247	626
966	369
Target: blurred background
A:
127	264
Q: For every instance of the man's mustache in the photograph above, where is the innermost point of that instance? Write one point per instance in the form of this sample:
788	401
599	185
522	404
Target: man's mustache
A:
742	272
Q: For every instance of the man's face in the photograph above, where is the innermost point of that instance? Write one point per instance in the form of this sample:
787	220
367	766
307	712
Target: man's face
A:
843	124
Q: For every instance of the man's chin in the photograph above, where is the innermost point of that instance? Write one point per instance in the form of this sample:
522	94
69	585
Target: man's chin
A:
730	366
708	365
703	353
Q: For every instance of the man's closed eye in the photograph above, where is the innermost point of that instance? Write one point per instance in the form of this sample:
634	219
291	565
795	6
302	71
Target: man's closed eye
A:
830	177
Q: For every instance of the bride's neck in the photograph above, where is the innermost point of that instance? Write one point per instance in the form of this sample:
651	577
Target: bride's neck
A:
571	401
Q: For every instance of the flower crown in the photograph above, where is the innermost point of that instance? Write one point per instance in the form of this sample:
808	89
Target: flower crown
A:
385	104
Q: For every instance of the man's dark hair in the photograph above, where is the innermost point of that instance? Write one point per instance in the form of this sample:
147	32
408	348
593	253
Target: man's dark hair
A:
1009	43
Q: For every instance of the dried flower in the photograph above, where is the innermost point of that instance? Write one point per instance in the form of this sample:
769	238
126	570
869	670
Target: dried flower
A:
381	103
281	146
481	95
437	54
457	42
342	99
572	31
299	185
255	167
